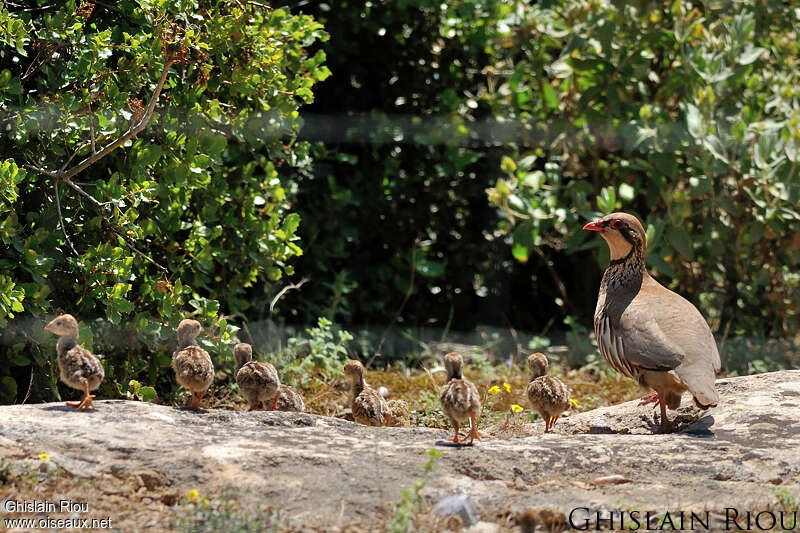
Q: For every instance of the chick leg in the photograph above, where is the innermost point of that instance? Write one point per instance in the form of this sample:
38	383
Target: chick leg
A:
548	424
275	401
86	401
473	428
196	398
455	425
387	420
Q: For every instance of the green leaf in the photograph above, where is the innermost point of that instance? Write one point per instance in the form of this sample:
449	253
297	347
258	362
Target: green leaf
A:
694	121
626	192
679	239
550	98
430	269
147	394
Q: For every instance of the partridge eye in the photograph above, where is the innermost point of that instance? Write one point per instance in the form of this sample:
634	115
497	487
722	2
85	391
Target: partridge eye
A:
617	224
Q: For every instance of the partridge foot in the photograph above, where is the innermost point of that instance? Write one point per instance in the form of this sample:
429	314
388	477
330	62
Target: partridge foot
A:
650	398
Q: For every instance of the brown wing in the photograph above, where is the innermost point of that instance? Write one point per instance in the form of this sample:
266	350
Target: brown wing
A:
77	365
548	395
369	408
460	400
290	400
193	368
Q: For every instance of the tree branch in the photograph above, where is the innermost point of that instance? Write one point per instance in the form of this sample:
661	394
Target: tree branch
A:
284	290
61	219
65	174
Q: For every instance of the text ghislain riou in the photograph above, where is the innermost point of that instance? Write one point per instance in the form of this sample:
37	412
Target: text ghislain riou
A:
584	519
40	506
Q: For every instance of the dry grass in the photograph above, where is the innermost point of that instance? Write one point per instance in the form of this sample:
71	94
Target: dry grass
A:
590	388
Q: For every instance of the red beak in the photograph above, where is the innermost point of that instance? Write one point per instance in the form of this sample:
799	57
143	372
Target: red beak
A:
597	225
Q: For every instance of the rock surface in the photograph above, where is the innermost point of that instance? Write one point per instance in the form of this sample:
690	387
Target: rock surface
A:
326	473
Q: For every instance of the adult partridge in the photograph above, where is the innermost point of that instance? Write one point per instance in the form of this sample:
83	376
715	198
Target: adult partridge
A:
647	332
77	366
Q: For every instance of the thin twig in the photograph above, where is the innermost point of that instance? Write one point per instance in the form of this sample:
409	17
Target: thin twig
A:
91	128
139	252
70	158
284	290
30	385
247	330
61	219
403	303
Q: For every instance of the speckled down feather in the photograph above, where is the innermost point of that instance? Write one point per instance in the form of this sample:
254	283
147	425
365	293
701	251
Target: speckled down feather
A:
369	407
76	365
460	400
399	412
193	368
290	400
548	396
258	382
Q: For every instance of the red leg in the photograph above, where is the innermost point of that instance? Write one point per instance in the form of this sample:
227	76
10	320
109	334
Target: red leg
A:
86	401
275	401
473	431
455	425
666	425
650	398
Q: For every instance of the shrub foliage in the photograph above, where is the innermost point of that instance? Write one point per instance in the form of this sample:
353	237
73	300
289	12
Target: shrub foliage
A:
145	150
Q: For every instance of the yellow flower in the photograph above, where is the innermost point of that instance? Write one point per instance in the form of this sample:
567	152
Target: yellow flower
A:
516	409
574	402
494	390
205	501
192	494
507	386
44	457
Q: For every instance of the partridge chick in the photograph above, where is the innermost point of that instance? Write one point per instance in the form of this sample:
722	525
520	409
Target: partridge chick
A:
548	395
369	407
647	332
460	399
258	382
192	364
290	400
77	367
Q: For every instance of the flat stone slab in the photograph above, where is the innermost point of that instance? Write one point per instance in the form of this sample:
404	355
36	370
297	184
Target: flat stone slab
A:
326	473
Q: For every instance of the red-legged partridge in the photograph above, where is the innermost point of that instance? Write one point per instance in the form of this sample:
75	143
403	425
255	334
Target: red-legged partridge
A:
192	364
369	407
258	382
77	366
460	399
548	395
646	331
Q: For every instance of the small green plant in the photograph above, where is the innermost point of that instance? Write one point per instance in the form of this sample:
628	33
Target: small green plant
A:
324	352
787	501
137	392
410	501
224	513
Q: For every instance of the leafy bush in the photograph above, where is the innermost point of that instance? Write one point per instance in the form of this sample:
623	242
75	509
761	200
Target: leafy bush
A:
683	113
146	149
321	355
